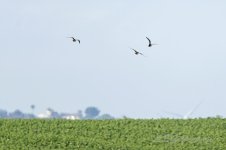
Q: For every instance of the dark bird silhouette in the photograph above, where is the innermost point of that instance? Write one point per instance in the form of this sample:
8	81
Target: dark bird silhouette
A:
150	44
136	52
74	40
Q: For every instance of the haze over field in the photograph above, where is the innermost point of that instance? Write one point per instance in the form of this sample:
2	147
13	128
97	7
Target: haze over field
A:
40	65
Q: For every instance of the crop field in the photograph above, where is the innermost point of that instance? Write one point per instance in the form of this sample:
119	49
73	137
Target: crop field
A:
123	134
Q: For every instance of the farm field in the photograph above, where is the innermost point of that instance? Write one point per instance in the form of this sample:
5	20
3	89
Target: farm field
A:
123	134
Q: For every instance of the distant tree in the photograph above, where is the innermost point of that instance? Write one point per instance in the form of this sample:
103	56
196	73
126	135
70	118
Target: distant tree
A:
53	113
105	117
125	117
3	113
91	112
16	114
28	116
32	107
219	116
79	114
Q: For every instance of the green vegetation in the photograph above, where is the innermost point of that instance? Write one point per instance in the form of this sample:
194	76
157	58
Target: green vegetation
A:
113	134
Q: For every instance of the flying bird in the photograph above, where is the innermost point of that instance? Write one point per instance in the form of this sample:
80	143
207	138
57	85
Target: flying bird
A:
150	44
74	40
136	52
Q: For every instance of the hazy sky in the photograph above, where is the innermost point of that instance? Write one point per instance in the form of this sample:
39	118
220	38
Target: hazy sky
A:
40	65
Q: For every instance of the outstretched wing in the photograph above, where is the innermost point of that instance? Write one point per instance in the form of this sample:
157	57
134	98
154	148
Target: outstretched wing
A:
78	41
133	49
149	40
141	53
72	38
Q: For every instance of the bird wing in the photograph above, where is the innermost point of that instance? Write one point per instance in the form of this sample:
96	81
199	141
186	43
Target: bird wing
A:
149	40
132	49
141	54
78	41
135	50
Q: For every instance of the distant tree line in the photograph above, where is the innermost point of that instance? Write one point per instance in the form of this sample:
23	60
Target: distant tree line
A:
89	113
15	114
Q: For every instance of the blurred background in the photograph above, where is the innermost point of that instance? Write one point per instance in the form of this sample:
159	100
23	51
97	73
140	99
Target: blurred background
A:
42	71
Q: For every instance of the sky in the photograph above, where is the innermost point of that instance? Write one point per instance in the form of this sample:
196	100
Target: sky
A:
39	65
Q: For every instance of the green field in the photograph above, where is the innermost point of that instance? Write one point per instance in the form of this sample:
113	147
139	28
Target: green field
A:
113	134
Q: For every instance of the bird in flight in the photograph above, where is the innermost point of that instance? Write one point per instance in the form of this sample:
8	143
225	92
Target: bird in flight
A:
150	44
74	40
136	52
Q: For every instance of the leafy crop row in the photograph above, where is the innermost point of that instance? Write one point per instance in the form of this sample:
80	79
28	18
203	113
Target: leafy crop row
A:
113	134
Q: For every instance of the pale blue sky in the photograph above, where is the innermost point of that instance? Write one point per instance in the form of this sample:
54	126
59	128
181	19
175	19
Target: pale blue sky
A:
39	65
